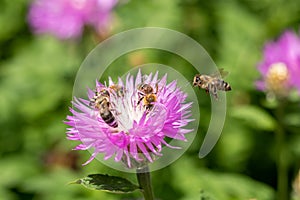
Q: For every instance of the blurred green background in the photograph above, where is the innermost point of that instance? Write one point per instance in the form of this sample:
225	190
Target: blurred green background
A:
37	73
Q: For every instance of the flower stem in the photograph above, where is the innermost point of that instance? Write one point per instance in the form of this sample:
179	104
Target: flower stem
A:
282	165
144	179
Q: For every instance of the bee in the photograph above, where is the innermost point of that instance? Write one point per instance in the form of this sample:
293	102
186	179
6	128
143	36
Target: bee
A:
212	83
147	95
101	102
119	90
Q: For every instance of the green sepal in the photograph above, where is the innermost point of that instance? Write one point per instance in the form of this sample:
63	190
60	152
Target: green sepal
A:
107	183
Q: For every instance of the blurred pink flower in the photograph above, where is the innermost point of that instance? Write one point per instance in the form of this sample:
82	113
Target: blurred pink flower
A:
66	18
280	67
138	133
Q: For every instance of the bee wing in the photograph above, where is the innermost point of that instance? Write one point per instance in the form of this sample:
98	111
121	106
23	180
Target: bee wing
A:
213	90
221	73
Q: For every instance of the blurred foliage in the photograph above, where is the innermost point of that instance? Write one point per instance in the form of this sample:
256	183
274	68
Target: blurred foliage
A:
37	75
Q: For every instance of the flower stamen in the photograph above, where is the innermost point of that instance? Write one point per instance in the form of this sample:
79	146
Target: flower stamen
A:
277	78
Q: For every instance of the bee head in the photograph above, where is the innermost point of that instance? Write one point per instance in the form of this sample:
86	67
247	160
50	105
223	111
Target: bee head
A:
145	88
197	80
104	92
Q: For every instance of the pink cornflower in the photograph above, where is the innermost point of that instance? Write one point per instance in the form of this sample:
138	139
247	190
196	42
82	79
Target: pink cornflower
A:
138	131
280	67
66	18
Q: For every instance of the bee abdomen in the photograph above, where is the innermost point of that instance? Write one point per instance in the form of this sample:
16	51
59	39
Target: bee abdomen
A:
227	87
222	85
109	118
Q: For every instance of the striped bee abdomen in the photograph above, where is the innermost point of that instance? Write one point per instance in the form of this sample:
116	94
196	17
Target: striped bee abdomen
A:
101	103
106	114
223	85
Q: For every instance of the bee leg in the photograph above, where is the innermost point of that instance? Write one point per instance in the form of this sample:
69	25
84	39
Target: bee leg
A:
215	93
216	96
213	90
115	111
140	96
139	101
156	88
92	101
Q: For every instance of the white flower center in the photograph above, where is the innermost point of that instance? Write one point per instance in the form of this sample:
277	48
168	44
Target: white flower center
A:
126	110
277	78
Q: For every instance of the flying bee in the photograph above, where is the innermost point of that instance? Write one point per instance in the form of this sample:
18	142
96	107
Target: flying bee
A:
101	102
147	94
212	83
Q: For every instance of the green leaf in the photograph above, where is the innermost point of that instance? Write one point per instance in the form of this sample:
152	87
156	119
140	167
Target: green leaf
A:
254	117
107	183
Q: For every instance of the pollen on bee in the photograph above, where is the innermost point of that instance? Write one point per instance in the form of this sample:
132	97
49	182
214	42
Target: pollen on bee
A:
149	99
